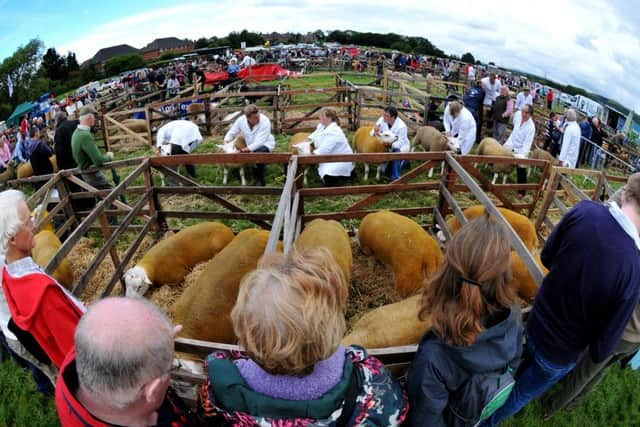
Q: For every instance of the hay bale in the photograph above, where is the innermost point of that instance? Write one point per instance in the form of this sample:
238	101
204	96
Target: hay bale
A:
80	257
165	296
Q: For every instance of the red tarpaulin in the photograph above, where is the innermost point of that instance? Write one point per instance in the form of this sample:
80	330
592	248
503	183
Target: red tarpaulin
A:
261	73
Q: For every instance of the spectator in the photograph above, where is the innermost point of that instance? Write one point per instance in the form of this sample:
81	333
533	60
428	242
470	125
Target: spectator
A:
582	307
255	127
464	126
549	131
473	99
44	315
476	334
585	137
173	86
491	87
524	98
392	123
247	61
24	127
39	154
91	392
550	99
86	153
5	153
570	141
233	68
502	112
62	141
471	73
289	317
328	138
597	137
520	141
21	151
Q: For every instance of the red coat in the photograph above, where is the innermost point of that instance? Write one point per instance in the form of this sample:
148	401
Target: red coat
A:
39	306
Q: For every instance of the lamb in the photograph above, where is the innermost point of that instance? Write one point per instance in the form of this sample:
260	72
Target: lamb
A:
46	245
390	325
403	244
520	223
170	260
365	143
430	139
521	280
491	147
204	308
231	148
331	235
300	144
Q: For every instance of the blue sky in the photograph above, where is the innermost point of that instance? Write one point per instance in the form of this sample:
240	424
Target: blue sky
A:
593	44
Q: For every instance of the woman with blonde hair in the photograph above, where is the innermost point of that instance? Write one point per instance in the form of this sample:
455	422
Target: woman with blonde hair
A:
328	138
464	365
289	319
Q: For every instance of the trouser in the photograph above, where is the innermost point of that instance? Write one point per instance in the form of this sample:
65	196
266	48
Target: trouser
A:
396	166
487	113
585	377
549	103
536	375
44	376
99	181
176	149
334	181
499	130
259	169
522	177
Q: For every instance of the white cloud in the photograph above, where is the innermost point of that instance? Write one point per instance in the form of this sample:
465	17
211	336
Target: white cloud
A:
585	43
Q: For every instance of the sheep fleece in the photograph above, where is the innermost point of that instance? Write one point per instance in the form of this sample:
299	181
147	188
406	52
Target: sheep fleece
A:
46	245
521	280
403	244
365	143
389	326
204	308
170	260
330	235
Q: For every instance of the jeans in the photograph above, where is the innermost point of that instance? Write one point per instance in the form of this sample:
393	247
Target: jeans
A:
499	130
176	149
43	384
536	375
259	171
396	166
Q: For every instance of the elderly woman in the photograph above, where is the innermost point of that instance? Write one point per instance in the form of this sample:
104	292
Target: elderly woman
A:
289	318
328	138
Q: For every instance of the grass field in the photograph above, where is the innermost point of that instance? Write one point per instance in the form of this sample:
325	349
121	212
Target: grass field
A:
616	402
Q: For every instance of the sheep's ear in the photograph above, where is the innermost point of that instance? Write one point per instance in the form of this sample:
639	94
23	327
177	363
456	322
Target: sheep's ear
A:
147	281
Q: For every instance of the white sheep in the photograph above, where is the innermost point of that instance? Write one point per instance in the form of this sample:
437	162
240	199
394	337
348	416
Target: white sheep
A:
170	260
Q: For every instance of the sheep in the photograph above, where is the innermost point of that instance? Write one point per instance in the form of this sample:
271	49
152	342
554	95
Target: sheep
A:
45	247
331	235
521	280
430	139
170	260
25	170
300	144
390	325
204	308
135	125
491	147
8	174
196	107
402	244
520	223
231	148
363	142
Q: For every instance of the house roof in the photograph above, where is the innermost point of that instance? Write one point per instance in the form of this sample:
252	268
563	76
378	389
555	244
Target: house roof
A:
109	52
164	43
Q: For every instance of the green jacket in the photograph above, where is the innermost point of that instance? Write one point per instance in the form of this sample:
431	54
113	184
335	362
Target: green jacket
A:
85	151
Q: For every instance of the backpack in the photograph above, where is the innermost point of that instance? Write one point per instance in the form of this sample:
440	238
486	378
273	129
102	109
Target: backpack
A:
479	397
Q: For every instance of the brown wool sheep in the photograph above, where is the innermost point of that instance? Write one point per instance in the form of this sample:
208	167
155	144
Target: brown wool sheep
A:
330	235
363	142
25	170
491	147
430	139
170	260
298	145
229	148
8	174
403	244
204	308
521	280
390	325
46	245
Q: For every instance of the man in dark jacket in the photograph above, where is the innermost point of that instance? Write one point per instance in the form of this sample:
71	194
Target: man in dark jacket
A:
582	305
472	100
62	141
501	113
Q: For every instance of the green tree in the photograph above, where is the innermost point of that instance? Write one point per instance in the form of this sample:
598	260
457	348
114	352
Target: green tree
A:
22	66
168	55
72	62
468	58
201	42
121	63
89	73
401	46
53	65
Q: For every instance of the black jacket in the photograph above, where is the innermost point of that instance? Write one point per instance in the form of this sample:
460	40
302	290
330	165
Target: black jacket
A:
439	369
62	140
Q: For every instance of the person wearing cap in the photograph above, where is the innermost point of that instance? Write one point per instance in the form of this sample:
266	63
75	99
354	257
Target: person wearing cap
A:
524	98
85	151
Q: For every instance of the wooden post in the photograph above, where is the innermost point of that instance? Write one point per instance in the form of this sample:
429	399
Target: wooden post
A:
154	204
147	115
385	85
207	115
426	110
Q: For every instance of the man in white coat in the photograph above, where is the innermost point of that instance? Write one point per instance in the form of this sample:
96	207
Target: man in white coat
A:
255	128
328	138
390	122
570	141
521	139
524	98
491	86
178	137
463	127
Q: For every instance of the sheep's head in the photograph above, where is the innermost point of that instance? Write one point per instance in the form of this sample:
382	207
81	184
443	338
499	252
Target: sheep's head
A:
136	282
165	149
387	137
227	148
304	147
454	144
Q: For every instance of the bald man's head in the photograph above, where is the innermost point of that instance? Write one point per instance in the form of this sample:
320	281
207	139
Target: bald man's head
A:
121	344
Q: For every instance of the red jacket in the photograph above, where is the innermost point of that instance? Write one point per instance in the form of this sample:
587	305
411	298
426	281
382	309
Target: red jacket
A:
172	413
39	306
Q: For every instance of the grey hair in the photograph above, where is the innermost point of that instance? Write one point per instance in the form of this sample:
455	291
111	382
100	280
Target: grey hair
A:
571	115
10	221
85	116
115	371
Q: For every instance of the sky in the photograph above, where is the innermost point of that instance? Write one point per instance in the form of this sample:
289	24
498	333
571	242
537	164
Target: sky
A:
594	44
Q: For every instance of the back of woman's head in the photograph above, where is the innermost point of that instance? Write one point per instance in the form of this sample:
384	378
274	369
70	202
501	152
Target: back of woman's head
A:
472	284
289	314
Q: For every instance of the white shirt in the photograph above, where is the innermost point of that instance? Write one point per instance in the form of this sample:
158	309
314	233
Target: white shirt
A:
521	138
179	132
570	145
465	127
447	119
517	118
331	140
173	84
491	91
522	100
247	61
399	129
472	73
259	136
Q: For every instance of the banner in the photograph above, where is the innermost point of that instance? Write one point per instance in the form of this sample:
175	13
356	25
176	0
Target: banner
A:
9	85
